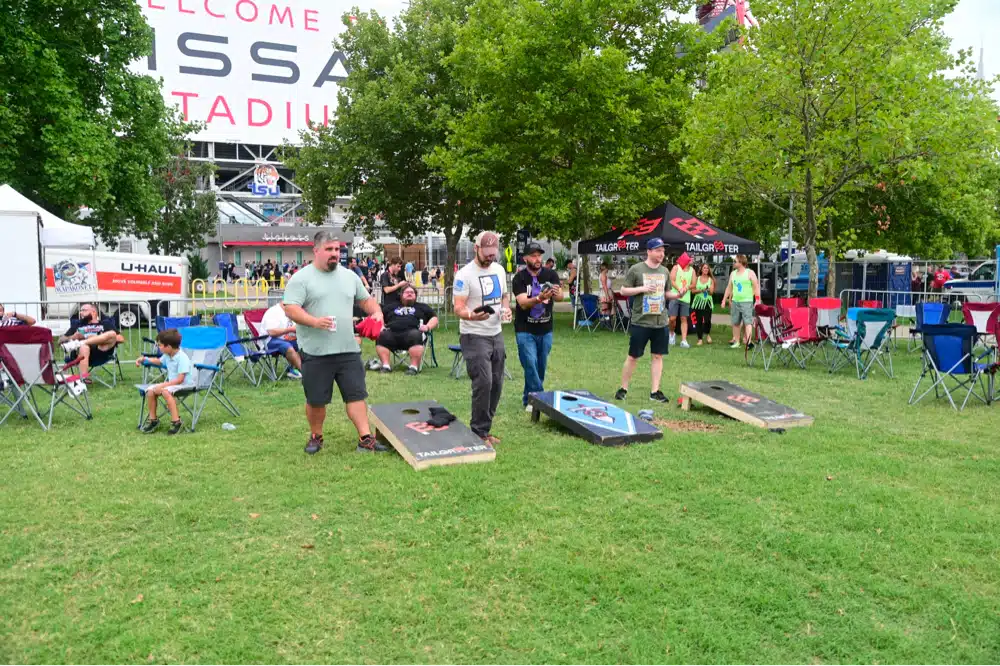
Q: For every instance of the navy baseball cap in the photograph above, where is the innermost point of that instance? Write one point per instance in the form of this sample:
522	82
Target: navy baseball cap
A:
654	243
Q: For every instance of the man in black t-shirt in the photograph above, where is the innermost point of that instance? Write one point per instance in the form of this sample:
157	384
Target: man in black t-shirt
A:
535	288
405	326
91	338
392	282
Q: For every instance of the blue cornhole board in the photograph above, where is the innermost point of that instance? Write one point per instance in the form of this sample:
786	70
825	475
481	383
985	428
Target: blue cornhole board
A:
593	419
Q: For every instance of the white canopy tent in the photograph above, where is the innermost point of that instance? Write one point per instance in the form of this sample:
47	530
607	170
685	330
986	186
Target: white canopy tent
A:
56	232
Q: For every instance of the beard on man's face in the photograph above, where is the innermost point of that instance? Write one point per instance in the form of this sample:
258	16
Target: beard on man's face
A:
333	262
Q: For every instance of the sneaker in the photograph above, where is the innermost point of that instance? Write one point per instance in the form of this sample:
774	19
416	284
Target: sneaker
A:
528	408
412	370
658	397
293	374
749	345
71	346
685	345
735	344
150	426
621	393
315	444
673	339
385	368
175	427
368	444
374	364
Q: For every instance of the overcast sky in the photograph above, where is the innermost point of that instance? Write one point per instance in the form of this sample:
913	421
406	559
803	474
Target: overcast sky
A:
975	23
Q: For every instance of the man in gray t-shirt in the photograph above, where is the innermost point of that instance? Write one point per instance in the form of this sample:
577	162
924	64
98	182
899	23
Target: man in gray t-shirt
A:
320	298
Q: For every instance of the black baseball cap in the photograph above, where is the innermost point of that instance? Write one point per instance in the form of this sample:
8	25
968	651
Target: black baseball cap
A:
533	248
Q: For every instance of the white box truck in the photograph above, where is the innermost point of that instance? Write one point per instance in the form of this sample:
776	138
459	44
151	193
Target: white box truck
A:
135	287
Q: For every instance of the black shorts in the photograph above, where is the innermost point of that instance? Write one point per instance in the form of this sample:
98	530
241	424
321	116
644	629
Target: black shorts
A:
640	335
97	356
400	340
320	372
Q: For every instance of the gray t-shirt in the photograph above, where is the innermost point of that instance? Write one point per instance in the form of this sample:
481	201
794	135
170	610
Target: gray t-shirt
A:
649	310
326	294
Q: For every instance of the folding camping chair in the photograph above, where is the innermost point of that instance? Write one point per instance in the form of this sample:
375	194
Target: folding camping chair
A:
246	353
271	361
26	364
872	340
789	302
801	336
401	358
933	314
458	364
623	312
164	323
870	305
109	370
827	321
204	346
767	336
978	315
949	356
590	316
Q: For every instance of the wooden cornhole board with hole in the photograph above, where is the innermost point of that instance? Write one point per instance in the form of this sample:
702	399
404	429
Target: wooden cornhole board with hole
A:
743	405
593	419
404	426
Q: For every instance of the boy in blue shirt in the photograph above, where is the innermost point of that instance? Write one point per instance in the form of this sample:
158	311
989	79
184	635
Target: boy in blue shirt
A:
178	367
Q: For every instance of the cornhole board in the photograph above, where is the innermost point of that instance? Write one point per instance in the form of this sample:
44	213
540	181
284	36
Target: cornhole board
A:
404	426
593	419
743	405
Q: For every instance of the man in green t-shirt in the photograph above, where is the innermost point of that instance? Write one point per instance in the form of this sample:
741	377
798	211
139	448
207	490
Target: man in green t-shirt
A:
320	298
647	282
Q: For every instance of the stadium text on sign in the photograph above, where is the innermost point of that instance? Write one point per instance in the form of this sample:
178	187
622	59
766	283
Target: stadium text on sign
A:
254	71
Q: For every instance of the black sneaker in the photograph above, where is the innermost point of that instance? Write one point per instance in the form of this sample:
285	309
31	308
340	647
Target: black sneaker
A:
315	444
150	426
175	427
658	397
412	370
368	444
385	368
621	393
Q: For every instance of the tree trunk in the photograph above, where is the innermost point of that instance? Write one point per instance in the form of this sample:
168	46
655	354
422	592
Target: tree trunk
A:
831	271
585	275
810	236
451	237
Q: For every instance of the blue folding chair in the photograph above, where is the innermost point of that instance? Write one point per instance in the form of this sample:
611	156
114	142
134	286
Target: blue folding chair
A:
927	313
590	316
246	353
163	324
204	346
949	357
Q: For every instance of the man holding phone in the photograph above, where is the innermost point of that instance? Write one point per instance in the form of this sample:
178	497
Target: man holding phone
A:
536	288
481	303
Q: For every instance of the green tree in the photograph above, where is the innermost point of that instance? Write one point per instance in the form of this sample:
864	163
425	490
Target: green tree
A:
393	111
187	215
829	100
77	127
577	106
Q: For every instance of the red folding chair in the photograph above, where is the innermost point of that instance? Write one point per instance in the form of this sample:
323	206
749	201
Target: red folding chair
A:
802	338
870	304
26	364
272	359
978	315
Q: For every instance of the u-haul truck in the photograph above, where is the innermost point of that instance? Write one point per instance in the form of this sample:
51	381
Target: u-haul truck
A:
132	286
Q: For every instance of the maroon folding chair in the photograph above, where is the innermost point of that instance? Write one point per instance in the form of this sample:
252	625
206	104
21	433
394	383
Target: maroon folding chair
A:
979	315
27	365
802	338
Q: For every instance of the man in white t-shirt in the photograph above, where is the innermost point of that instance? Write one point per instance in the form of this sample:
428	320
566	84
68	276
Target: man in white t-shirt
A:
282	341
481	303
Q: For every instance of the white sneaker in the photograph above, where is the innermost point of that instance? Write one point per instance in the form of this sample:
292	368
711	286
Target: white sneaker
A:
528	408
71	345
685	345
673	339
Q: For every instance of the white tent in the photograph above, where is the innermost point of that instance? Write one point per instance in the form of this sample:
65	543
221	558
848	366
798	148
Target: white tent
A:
56	232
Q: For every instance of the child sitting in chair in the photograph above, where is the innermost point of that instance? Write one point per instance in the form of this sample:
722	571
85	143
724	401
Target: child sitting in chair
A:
178	367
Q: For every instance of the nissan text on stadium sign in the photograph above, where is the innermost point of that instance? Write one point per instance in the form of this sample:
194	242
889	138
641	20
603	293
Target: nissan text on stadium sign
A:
253	71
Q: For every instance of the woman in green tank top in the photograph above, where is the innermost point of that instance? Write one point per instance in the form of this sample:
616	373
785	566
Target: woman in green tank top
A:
704	287
681	281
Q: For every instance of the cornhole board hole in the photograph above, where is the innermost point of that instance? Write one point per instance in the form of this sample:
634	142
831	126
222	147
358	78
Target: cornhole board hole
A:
404	426
593	419
743	405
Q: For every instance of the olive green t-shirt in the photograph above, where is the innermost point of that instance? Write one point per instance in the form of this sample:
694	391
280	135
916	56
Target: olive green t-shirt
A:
649	310
326	294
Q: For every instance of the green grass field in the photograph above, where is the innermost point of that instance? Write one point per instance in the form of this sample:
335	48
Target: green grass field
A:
725	546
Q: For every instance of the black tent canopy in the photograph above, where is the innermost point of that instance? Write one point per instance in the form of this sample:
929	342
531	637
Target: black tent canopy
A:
680	231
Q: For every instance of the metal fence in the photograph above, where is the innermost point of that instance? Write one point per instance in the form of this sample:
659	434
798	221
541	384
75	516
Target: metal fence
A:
905	302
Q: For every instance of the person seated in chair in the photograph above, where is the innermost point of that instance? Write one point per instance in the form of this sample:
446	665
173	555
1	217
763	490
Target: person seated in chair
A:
14	319
405	326
91	338
282	341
